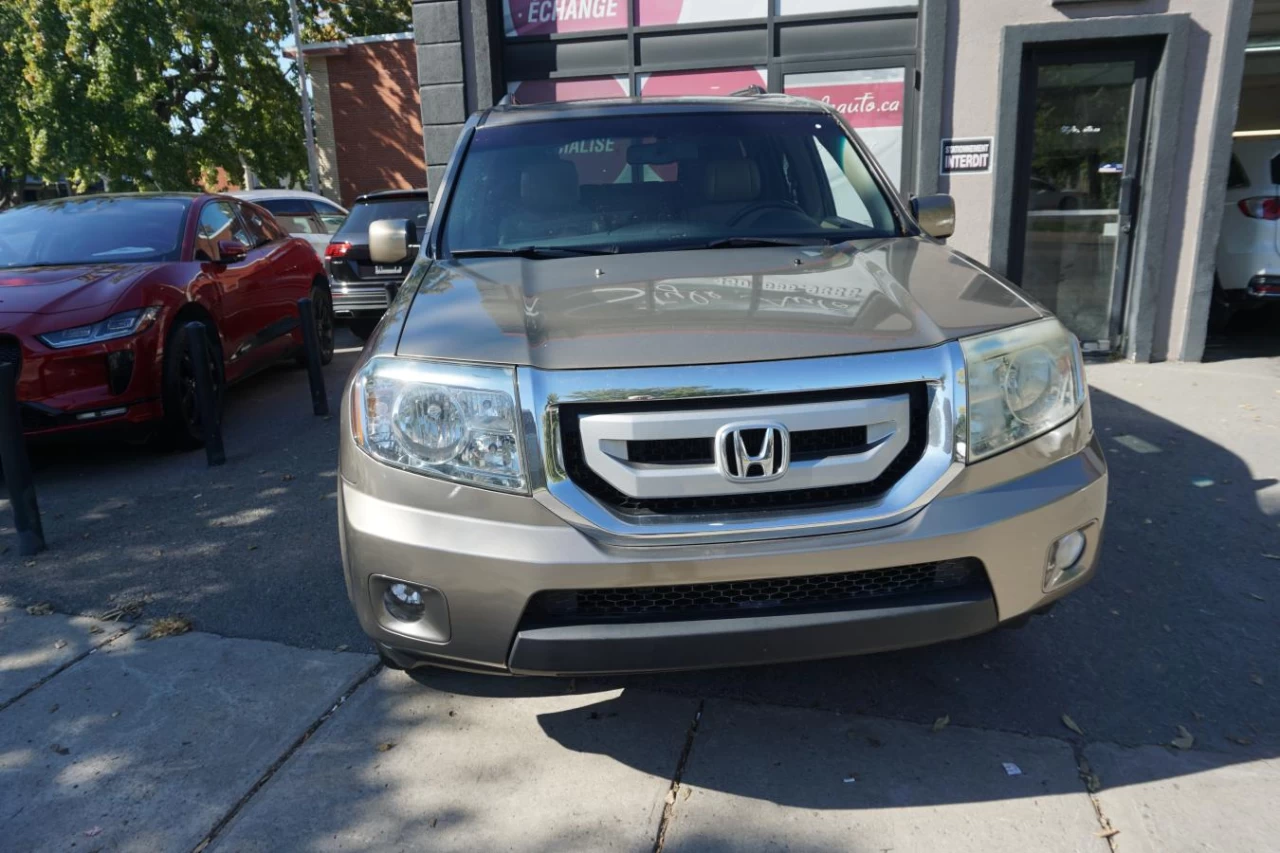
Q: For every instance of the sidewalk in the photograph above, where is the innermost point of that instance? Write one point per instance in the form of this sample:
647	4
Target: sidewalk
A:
109	741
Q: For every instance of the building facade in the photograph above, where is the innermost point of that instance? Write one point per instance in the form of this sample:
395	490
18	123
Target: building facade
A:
1086	142
367	117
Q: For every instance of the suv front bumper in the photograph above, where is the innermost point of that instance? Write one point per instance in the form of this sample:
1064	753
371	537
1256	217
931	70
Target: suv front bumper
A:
484	555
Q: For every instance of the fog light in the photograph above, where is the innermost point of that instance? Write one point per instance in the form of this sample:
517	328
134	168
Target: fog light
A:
1064	560
404	602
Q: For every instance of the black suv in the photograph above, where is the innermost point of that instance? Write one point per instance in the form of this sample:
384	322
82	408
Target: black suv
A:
361	288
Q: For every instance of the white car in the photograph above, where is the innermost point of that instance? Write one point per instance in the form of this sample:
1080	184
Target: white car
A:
307	215
1249	246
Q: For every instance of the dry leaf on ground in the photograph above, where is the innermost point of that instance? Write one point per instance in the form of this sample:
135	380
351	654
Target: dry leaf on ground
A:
386	746
1071	724
942	722
1184	740
167	626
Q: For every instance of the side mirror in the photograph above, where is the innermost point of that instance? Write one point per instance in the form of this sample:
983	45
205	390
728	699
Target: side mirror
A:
231	251
936	215
389	240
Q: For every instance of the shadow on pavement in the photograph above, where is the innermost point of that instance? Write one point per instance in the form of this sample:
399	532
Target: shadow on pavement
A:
248	549
1179	628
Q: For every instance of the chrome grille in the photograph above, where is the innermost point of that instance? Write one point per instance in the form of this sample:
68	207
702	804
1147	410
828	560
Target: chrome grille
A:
874	455
628	456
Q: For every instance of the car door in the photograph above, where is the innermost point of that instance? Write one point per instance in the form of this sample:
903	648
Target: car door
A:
217	221
281	277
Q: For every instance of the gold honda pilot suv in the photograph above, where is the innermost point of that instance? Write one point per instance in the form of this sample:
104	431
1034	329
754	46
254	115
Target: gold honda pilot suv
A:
683	383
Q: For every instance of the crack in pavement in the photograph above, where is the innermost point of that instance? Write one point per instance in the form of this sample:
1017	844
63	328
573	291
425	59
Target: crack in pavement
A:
670	801
271	771
75	660
1092	785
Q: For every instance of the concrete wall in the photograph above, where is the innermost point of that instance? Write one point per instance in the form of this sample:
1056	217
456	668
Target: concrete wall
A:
970	107
326	145
376	122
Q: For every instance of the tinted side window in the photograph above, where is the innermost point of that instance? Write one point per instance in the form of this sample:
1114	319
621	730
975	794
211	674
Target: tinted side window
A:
218	222
1236	176
1275	169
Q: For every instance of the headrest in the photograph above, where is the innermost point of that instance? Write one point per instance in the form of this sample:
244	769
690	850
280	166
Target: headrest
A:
549	185
731	181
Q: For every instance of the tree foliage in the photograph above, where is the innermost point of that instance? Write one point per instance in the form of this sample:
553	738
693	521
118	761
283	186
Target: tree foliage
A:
329	20
158	94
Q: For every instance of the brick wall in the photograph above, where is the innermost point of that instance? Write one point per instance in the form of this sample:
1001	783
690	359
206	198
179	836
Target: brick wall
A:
375	118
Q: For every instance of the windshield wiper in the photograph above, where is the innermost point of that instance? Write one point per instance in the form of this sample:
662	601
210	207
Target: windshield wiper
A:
748	242
531	252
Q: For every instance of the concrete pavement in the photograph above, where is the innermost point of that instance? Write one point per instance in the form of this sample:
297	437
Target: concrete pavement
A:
1180	628
199	742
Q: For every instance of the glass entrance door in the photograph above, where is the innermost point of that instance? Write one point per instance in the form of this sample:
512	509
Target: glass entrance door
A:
1081	139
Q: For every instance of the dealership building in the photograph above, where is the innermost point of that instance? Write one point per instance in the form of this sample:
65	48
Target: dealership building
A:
1087	143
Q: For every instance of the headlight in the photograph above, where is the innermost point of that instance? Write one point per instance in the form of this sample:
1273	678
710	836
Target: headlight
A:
120	325
459	422
1021	382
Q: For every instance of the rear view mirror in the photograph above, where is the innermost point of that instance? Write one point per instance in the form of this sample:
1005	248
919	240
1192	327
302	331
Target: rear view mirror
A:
389	240
936	215
231	251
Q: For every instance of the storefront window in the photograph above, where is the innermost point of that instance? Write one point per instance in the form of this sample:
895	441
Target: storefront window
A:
660	12
539	17
719	81
573	89
870	100
811	7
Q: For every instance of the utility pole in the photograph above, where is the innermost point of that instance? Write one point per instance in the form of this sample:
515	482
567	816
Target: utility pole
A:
306	99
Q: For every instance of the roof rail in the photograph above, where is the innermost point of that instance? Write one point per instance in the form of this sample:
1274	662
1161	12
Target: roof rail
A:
753	89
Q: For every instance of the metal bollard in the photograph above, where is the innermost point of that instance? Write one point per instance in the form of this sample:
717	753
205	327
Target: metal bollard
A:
319	397
17	467
210	423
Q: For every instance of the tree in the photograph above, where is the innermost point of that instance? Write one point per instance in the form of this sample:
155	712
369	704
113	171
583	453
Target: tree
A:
149	94
330	20
14	148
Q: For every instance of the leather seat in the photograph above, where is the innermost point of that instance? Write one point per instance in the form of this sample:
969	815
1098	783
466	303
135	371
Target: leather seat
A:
727	187
551	205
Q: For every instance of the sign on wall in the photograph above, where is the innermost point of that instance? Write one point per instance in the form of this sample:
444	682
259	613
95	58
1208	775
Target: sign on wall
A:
720	81
871	101
966	156
538	17
664	12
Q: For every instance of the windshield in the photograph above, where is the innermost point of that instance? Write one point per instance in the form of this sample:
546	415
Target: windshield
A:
93	230
651	182
356	228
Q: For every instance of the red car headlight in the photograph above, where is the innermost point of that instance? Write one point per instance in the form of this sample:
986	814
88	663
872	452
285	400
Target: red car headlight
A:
120	325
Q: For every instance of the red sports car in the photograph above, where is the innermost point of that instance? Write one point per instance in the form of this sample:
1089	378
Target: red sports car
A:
94	292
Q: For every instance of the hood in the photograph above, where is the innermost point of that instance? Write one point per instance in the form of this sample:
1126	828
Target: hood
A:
705	307
53	290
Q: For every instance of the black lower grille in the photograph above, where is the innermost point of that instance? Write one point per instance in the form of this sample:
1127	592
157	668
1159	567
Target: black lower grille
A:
10	351
813	444
742	598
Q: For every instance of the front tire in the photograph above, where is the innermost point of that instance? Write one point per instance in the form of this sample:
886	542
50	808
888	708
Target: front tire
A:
322	311
183	428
